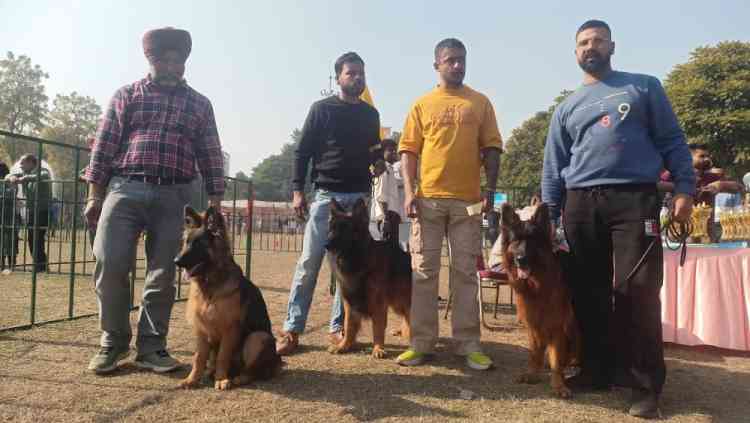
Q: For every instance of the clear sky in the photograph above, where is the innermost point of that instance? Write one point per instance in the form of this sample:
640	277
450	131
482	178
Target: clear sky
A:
262	63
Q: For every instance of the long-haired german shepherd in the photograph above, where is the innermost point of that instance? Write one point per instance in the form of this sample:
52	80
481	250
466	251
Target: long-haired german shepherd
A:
226	310
373	275
544	300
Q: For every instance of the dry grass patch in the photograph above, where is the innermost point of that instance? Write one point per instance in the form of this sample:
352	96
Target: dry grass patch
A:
43	378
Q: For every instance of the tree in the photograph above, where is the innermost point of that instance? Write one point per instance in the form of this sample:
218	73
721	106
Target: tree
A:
272	178
23	102
521	165
72	121
711	96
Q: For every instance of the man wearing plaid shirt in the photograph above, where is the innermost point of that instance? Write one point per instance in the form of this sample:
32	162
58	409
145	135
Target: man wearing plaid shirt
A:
144	155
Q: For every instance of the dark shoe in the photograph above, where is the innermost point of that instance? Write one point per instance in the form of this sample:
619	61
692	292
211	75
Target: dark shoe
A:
287	343
585	381
644	404
158	361
107	359
336	337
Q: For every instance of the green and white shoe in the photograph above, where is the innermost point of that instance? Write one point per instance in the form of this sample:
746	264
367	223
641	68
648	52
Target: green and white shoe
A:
411	358
478	361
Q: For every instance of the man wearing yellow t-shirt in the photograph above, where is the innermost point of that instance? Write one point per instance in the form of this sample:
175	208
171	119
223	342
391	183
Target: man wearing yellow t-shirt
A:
451	131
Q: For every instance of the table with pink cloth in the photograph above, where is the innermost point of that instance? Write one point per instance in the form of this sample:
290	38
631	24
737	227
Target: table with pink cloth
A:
707	301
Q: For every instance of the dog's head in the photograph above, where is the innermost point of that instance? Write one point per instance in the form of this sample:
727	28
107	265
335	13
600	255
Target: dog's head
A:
205	241
347	228
525	243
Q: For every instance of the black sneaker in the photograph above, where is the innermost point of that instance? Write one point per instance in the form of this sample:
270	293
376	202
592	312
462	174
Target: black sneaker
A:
106	360
644	404
158	361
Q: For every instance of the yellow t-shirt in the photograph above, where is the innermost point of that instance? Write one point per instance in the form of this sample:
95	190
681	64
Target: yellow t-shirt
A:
446	129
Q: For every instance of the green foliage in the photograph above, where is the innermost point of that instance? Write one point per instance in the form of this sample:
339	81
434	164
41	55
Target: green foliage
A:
272	178
711	96
72	121
23	102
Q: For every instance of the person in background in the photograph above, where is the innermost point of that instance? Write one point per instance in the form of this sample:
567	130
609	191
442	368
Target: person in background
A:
7	222
709	180
38	193
388	195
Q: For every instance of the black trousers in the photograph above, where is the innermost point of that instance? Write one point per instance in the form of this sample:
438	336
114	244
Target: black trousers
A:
609	228
36	239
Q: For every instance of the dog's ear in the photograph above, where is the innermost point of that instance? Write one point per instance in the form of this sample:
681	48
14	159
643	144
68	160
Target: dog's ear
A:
215	221
359	211
508	217
541	220
192	218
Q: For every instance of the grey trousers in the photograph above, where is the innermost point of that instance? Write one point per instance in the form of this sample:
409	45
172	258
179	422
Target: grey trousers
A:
130	208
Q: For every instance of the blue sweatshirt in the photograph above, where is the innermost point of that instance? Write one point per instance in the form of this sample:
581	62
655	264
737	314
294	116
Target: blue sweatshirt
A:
621	130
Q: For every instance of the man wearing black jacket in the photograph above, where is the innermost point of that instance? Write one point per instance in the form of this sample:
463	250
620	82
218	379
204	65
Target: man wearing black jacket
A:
341	136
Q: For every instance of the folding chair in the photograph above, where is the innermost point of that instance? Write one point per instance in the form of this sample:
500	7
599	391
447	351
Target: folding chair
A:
489	279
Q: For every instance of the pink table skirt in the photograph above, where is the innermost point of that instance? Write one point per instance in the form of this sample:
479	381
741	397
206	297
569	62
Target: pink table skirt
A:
707	301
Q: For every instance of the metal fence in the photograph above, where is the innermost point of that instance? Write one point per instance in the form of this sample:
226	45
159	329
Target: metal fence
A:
62	288
277	229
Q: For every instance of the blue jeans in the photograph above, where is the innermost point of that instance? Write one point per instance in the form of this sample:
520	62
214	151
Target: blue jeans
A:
308	265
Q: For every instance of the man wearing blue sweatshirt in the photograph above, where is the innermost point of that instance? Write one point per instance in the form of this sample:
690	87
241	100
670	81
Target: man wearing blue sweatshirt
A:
606	145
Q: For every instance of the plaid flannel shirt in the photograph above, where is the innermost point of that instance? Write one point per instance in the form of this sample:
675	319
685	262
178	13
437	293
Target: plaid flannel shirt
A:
158	131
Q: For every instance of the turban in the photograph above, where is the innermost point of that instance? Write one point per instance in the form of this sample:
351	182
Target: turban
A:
158	41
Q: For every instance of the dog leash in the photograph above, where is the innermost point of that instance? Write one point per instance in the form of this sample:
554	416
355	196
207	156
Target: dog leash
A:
678	232
673	230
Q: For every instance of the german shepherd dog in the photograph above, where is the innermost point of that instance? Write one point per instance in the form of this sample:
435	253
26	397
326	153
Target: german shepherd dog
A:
227	312
373	275
535	273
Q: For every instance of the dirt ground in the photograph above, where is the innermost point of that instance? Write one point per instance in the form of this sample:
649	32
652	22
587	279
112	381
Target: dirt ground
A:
43	374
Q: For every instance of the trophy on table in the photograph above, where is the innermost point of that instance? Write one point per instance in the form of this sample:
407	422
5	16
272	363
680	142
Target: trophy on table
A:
735	224
699	219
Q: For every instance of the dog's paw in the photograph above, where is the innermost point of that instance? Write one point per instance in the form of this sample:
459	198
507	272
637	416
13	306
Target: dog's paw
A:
189	383
223	384
339	349
378	352
530	378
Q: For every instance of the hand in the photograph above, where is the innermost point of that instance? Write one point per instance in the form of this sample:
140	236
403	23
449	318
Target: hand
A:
488	201
683	207
553	232
14	179
712	188
299	203
91	213
410	205
378	168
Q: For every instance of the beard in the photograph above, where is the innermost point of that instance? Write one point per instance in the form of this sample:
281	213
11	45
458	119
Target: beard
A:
353	90
455	78
594	63
166	78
